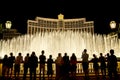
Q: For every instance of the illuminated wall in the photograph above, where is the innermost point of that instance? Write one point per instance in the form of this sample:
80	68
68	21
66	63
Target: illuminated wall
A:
41	24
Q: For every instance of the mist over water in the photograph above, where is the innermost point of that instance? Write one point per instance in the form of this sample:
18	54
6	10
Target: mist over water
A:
60	42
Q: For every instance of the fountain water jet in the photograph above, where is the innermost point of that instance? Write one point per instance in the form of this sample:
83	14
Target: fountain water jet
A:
60	41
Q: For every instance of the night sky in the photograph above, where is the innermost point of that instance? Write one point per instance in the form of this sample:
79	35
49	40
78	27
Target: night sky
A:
98	11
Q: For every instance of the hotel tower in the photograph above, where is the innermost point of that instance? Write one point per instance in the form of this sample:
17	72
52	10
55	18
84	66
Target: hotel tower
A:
41	24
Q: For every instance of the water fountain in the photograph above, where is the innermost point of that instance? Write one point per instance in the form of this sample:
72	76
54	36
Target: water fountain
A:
60	41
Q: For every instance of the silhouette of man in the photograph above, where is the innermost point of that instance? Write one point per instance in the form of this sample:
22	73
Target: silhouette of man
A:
42	59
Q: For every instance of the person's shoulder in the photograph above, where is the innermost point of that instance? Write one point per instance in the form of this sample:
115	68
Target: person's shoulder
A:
12	57
87	54
36	56
40	56
115	56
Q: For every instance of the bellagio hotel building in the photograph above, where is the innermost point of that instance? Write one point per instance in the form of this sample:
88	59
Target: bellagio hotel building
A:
41	24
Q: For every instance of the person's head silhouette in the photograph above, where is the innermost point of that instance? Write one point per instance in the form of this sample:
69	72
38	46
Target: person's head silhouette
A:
111	51
42	52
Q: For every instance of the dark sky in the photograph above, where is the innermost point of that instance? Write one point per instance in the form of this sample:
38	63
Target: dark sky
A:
98	11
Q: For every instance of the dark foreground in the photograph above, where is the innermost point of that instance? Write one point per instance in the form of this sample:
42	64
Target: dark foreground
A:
78	77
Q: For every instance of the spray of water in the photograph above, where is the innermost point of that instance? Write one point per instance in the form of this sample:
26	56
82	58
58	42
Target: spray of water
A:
60	42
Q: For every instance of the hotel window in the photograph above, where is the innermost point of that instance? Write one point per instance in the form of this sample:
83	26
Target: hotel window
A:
36	24
50	24
76	23
80	24
60	23
84	25
41	23
55	23
66	25
73	24
91	24
30	23
88	24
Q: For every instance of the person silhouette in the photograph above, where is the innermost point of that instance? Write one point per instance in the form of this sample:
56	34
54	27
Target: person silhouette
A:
26	66
59	66
18	61
102	61
85	62
50	67
4	65
95	61
113	65
11	60
73	65
42	59
66	66
33	64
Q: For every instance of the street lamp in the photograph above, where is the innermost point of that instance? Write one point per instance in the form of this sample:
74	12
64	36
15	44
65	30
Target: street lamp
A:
8	24
112	24
114	30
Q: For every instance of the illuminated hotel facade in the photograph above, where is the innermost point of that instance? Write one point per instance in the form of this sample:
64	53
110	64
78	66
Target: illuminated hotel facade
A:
41	24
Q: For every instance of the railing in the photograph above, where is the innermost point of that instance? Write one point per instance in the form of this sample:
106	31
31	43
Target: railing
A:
79	69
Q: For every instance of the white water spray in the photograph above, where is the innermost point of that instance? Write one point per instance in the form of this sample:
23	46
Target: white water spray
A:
60	42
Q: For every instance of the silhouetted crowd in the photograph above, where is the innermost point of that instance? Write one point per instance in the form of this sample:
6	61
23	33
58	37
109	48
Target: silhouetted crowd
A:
65	66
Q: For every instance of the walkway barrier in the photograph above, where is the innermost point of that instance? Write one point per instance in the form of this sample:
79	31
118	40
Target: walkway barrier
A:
79	69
